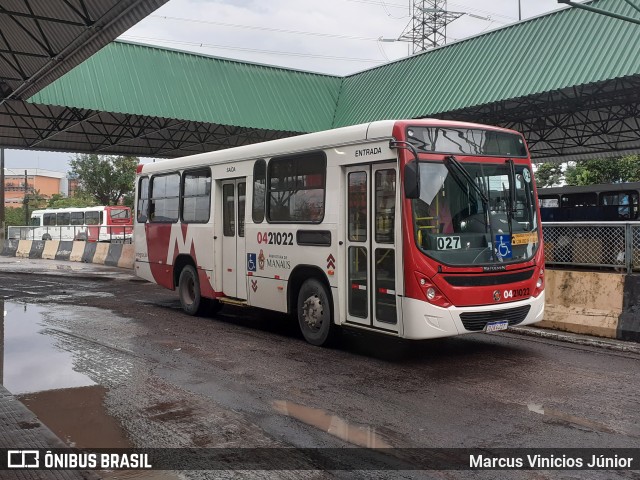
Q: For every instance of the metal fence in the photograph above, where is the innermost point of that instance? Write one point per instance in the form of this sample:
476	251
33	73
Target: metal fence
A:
609	245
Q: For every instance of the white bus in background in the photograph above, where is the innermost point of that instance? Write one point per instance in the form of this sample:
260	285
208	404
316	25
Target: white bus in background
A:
93	224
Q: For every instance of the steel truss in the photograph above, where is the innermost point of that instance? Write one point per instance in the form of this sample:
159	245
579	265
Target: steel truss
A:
42	40
584	121
47	127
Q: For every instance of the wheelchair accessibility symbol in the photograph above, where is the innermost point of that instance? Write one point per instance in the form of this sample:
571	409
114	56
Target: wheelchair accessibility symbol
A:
503	246
251	262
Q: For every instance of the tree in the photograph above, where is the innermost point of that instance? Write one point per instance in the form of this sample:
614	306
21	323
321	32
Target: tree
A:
58	201
107	179
548	174
604	170
13	217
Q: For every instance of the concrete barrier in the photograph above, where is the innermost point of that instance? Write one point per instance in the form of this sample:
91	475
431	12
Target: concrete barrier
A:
127	256
89	252
112	254
64	250
10	248
51	249
37	247
100	255
583	302
24	248
77	251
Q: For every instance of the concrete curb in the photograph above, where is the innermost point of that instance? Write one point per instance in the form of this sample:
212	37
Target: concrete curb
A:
577	339
113	254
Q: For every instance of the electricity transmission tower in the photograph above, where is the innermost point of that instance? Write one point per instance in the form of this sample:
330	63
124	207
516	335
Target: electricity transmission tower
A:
428	25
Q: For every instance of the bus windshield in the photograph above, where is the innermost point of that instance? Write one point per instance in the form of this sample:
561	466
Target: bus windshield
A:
467	141
491	221
120	213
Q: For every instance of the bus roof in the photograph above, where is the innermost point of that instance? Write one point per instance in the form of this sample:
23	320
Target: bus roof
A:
372	131
97	208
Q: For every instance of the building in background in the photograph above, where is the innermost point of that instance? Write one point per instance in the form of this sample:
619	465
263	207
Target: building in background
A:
43	182
72	184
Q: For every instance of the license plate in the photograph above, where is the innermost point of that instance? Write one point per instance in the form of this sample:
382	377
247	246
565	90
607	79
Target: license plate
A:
495	326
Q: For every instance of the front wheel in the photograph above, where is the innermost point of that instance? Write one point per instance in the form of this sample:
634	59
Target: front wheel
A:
189	291
314	313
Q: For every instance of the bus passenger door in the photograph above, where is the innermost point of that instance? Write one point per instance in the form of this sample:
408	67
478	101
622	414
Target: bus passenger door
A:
234	281
370	242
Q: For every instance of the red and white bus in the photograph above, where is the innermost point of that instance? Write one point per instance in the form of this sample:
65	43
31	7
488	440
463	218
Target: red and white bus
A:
415	228
94	224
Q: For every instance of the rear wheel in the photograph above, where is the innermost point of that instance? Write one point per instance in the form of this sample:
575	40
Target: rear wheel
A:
314	313
189	291
46	236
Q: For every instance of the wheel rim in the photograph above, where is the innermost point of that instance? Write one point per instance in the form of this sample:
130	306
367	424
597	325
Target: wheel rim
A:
313	313
189	291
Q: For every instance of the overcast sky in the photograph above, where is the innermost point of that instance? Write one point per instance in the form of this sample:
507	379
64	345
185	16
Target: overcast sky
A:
331	36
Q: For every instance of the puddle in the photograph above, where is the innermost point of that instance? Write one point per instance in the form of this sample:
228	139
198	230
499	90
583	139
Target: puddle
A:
46	378
76	294
78	417
32	361
360	435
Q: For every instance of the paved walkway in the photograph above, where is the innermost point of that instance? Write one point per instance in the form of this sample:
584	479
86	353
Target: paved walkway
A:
21	429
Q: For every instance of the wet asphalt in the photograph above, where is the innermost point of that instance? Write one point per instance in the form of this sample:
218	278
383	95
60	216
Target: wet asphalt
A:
119	352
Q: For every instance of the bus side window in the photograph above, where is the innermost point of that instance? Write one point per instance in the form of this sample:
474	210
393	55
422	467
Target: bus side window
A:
49	219
143	200
63	218
259	187
165	198
77	218
196	196
297	188
92	218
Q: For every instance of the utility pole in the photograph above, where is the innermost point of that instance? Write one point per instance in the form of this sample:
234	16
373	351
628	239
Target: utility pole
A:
428	25
26	198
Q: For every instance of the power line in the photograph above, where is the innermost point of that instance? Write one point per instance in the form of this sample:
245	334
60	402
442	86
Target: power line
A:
266	29
244	49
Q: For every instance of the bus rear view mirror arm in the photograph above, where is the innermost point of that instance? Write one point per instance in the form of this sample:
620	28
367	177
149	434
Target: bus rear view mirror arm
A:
411	170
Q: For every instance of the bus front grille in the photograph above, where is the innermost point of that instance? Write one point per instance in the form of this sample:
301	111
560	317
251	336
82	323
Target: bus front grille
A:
476	321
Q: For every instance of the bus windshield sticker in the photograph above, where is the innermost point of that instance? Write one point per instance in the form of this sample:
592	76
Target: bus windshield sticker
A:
524	238
448	243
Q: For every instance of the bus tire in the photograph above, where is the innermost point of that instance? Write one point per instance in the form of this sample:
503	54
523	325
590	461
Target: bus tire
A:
46	236
314	312
189	291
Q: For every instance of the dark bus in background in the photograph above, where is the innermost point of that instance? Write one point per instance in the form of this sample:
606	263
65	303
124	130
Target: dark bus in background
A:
606	202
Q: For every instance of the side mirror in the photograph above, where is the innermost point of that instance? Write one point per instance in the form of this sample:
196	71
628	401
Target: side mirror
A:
412	180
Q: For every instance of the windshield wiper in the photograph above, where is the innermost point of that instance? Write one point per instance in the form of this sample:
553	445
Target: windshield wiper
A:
458	169
455	167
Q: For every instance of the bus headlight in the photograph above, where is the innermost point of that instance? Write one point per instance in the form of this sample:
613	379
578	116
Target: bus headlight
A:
539	283
431	292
